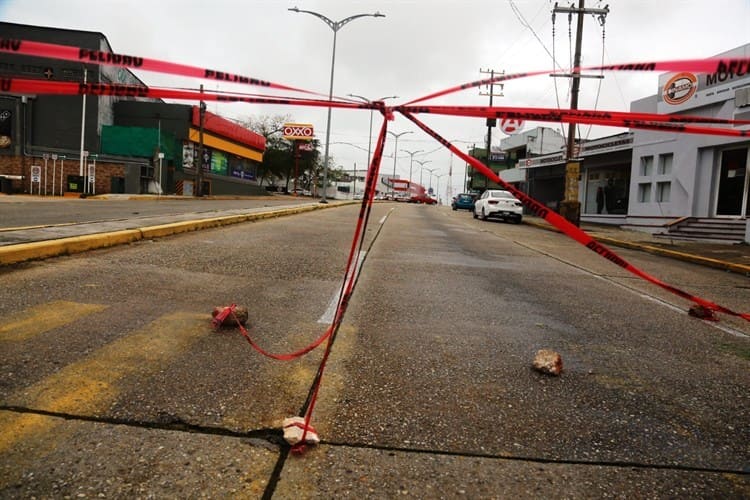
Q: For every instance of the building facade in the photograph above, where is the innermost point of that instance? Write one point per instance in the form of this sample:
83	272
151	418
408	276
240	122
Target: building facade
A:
678	175
108	144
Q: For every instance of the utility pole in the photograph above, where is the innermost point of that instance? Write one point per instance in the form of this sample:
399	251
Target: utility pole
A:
197	189
491	122
570	207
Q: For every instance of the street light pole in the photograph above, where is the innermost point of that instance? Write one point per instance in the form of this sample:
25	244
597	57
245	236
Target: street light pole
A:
437	189
369	137
335	26
430	170
395	155
421	169
411	163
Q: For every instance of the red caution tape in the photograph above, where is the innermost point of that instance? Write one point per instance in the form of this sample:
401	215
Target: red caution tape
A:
710	65
68	53
20	85
569	229
648	121
364	213
558	115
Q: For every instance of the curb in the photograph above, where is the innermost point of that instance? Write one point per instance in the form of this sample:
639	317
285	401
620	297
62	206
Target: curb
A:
14	254
687	257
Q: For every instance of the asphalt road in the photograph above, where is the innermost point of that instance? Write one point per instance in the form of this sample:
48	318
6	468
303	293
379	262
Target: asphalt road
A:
24	211
113	383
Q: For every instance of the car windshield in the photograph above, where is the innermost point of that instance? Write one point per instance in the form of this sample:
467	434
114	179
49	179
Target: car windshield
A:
464	197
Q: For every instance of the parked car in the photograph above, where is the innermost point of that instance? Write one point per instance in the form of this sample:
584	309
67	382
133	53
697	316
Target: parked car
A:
464	201
497	203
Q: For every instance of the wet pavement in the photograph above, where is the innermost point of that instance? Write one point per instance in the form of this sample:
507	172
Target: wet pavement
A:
47	237
116	386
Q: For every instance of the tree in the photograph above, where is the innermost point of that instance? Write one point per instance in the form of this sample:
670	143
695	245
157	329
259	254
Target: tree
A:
278	160
278	150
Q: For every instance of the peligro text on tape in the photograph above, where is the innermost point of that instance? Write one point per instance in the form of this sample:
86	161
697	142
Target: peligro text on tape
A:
80	54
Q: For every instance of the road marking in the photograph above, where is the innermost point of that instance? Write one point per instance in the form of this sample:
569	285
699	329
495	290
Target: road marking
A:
330	313
44	318
89	386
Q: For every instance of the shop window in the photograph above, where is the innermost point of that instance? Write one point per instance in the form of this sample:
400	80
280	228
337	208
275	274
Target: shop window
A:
665	164
647	166
644	192
663	189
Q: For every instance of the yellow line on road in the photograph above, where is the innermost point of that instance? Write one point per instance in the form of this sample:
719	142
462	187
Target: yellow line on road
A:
89	386
44	318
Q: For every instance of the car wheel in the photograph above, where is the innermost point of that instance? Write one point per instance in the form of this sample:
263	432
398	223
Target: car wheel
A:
518	219
474	213
484	216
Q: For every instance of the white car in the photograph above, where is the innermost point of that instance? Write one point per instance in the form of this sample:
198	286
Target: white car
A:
497	203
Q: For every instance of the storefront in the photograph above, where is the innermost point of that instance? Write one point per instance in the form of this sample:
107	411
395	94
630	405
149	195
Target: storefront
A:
169	138
231	156
606	178
688	175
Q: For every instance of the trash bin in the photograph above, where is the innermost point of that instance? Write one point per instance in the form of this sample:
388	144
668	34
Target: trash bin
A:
6	185
75	183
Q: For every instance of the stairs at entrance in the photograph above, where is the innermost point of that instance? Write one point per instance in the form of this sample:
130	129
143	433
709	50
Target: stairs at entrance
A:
705	229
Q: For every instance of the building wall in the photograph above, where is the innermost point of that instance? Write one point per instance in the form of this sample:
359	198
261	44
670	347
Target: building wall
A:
51	175
49	124
695	164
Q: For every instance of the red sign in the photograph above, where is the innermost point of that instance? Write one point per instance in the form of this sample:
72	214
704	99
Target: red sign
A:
511	125
301	131
680	88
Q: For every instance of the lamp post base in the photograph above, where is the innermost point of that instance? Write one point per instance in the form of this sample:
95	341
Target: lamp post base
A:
571	210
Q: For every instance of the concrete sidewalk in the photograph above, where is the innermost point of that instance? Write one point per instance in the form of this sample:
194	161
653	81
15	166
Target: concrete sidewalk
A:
725	256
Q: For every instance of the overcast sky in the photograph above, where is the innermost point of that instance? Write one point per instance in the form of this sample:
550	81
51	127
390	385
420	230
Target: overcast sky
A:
420	46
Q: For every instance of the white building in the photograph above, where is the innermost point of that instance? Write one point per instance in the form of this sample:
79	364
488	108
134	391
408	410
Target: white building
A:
675	175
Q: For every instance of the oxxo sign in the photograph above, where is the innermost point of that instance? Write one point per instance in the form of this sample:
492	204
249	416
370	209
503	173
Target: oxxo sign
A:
298	131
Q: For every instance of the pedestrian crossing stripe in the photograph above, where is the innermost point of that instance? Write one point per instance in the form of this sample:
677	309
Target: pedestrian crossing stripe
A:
89	386
43	318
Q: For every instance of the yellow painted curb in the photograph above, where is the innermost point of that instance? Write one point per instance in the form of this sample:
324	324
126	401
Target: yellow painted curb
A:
686	257
12	254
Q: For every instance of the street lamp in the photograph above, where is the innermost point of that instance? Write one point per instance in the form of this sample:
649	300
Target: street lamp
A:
335	26
421	168
430	170
437	189
395	155
369	137
411	163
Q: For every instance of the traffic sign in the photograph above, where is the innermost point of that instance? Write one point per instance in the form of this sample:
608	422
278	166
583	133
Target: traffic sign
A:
36	173
511	126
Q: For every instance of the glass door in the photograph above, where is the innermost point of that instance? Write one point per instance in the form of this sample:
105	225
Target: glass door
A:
733	199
